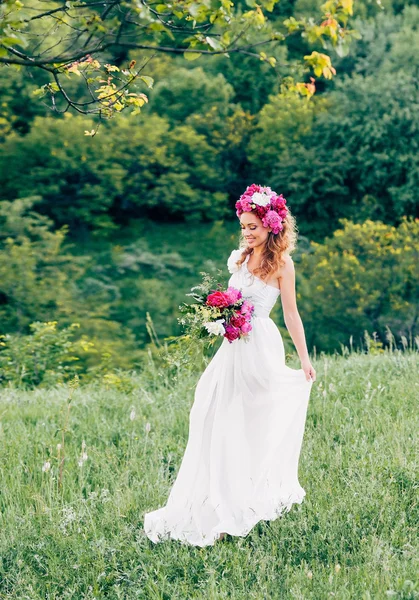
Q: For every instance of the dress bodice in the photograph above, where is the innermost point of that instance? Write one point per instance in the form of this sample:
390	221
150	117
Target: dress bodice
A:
254	289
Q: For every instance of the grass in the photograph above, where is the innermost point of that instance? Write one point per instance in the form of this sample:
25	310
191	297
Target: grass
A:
353	537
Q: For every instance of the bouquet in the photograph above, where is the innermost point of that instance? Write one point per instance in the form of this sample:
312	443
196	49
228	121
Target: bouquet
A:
217	312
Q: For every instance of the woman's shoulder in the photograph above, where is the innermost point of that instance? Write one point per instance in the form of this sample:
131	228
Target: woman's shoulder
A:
288	262
233	258
286	267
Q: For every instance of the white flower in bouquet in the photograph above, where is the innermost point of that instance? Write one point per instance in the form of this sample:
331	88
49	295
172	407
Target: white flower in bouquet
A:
216	327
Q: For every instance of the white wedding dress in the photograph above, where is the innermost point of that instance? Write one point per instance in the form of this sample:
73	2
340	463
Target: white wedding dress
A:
246	428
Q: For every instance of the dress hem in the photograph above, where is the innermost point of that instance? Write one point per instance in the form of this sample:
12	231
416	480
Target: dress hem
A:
225	526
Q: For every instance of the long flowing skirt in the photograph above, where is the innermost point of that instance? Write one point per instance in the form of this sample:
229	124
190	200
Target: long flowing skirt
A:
246	427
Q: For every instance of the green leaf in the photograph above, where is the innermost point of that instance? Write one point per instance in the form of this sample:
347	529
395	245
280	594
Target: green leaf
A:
192	55
39	92
156	27
147	80
342	49
14	41
213	43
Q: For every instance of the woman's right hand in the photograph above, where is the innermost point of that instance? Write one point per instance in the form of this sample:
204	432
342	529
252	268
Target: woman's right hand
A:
309	370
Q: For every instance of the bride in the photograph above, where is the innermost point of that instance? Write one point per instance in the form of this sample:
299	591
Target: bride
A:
247	421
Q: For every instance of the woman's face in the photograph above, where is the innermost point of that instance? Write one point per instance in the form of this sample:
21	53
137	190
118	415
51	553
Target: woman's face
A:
253	230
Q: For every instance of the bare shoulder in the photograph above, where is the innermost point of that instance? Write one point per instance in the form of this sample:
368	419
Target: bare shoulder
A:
287	268
285	272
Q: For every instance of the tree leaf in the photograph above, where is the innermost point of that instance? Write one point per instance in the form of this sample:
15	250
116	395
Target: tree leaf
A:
191	55
147	80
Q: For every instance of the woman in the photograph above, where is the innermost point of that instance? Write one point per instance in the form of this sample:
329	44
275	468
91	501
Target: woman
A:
247	421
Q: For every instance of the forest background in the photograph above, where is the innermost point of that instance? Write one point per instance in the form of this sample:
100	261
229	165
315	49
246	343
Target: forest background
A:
102	236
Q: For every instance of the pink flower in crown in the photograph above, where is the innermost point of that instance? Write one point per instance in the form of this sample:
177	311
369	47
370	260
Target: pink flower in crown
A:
267	190
252	189
244	205
263	201
233	294
272	219
278	203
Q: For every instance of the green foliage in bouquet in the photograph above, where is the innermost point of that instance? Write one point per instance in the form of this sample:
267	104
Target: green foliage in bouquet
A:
195	315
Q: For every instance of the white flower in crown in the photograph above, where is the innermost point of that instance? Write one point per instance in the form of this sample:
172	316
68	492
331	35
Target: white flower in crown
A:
261	199
215	327
233	258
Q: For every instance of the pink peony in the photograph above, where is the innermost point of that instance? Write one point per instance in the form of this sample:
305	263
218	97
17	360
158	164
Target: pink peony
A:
246	327
246	307
232	333
276	205
219	299
243	206
233	294
237	320
272	219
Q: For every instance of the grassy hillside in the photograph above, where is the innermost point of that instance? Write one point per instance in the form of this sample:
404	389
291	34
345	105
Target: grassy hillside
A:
354	536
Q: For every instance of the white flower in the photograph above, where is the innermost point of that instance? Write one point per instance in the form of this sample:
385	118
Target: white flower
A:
83	456
46	466
261	199
132	415
233	258
147	427
215	327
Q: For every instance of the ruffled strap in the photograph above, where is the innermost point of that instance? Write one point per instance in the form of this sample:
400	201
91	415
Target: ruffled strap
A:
232	259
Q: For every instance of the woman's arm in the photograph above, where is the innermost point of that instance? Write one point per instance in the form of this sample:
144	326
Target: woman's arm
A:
292	317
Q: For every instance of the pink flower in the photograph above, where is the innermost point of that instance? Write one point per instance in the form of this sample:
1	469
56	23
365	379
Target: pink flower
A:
219	299
246	307
238	320
251	189
233	294
272	219
232	333
276	204
262	210
246	327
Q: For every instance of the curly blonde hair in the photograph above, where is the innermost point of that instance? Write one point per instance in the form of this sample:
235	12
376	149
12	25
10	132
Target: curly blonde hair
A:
277	245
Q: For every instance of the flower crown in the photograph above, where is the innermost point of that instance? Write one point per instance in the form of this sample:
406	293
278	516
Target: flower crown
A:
266	203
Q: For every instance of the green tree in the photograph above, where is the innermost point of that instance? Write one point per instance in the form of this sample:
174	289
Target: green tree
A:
170	172
70	40
42	284
35	274
358	159
152	169
364	277
77	181
189	91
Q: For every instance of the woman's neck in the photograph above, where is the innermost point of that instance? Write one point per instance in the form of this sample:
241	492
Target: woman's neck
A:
257	252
